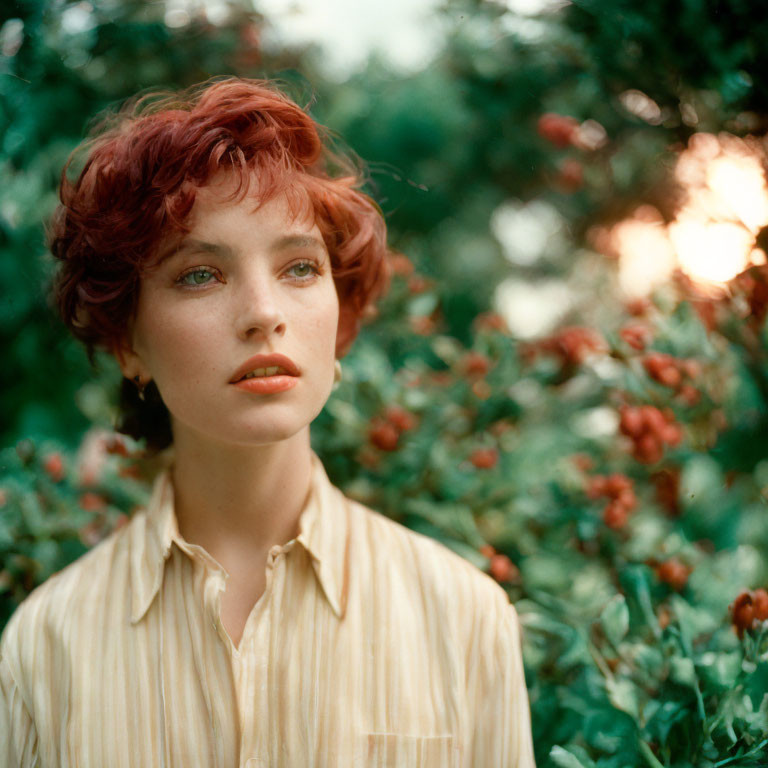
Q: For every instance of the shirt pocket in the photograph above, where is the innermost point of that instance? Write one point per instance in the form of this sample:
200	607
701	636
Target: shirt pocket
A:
396	750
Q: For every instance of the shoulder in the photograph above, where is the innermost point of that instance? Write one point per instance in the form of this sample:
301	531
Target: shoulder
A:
443	574
77	591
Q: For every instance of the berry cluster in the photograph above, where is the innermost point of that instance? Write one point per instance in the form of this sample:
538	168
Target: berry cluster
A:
637	335
649	428
619	489
385	430
571	345
675	373
749	608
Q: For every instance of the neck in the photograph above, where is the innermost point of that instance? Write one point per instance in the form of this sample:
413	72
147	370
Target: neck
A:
238	501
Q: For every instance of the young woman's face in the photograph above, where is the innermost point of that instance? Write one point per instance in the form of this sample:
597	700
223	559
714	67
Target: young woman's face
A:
243	282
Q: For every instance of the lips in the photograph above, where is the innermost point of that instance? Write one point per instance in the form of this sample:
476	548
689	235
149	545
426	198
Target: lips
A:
266	361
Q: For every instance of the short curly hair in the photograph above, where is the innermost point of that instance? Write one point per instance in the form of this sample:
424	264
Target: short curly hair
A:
142	169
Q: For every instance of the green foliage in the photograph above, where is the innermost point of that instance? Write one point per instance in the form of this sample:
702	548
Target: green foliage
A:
501	446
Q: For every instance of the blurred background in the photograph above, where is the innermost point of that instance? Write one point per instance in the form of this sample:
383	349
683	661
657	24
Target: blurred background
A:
568	381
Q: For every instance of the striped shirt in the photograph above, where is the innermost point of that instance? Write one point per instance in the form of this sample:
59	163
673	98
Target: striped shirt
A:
372	645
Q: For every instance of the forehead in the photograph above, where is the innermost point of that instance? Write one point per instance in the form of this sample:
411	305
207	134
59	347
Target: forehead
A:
230	208
228	192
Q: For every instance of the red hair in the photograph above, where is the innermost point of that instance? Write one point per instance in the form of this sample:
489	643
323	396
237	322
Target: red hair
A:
138	185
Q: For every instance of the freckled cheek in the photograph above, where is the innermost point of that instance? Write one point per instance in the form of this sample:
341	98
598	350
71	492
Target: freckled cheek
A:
176	340
324	324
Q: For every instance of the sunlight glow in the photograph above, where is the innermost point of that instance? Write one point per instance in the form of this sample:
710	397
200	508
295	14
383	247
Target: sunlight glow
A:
724	205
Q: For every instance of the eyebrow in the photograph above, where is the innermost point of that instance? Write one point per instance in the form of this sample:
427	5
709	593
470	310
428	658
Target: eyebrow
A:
281	244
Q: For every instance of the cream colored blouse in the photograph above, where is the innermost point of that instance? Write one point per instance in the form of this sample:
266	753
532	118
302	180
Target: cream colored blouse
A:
372	645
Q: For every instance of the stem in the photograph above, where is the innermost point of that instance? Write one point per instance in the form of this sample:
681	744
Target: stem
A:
740	757
597	656
649	756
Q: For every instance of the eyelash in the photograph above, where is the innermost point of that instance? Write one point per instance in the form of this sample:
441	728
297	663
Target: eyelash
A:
213	271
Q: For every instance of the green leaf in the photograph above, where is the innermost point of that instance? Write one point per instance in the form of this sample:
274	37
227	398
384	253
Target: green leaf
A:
623	695
636	582
615	619
682	671
566	759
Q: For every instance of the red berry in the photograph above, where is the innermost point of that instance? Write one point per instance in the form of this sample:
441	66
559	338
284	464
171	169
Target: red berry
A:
648	450
637	336
689	394
615	515
384	436
674	573
627	499
760	602
399	418
596	486
742	612
653	363
90	500
692	368
482	389
502	568
54	466
631	423
637	307
559	130
484	458
653	419
475	364
487	551
672	434
616	483
669	376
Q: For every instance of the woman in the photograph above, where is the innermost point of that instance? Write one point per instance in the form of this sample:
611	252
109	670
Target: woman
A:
252	615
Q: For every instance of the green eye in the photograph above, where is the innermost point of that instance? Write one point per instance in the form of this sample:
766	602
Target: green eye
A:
304	270
194	274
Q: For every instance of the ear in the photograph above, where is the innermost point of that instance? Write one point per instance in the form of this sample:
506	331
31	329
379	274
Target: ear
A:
126	358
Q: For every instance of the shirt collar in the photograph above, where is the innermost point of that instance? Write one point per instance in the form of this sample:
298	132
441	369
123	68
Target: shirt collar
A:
323	526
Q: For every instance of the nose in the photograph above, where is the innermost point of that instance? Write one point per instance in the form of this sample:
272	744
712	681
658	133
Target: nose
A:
259	310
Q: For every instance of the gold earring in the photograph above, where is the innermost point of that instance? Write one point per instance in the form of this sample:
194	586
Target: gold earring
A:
141	387
336	374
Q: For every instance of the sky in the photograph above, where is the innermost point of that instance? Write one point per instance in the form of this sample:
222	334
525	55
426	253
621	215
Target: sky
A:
405	31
